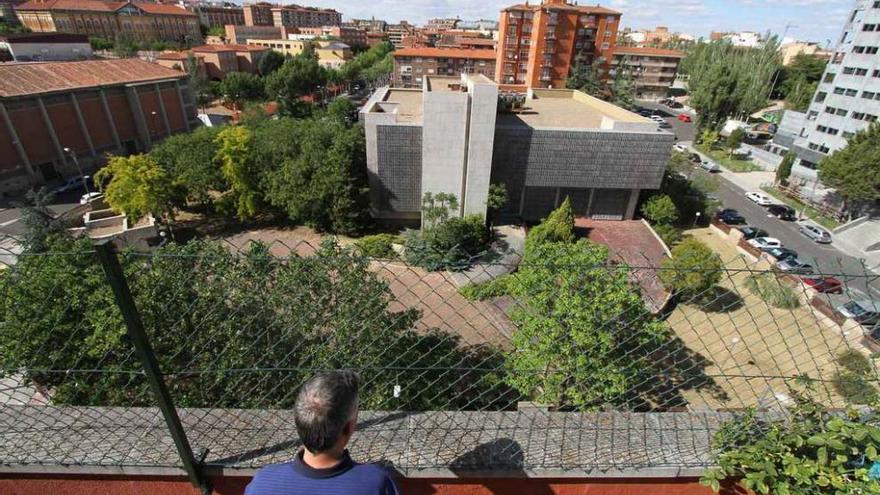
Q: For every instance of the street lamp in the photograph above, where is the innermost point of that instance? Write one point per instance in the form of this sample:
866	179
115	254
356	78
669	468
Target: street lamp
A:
155	125
78	169
696	219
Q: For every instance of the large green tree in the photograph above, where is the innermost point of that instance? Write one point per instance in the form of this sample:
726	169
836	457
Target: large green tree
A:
237	167
854	171
587	78
297	77
693	271
239	87
190	161
798	80
229	330
322	182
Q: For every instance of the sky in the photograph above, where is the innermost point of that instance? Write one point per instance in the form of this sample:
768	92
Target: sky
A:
811	20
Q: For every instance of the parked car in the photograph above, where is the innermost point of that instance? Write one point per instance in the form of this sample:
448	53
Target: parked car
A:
645	113
795	266
710	166
73	183
695	159
684	117
752	232
781	253
824	285
782	212
679	148
864	311
673	104
760	198
657	118
816	233
730	217
765	242
88	198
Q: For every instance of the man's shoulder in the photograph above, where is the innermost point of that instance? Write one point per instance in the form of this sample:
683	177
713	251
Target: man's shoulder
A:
375	476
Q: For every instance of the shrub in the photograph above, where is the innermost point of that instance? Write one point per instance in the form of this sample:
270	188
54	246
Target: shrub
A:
693	270
480	292
668	233
771	291
854	388
557	227
450	245
377	246
660	210
856	362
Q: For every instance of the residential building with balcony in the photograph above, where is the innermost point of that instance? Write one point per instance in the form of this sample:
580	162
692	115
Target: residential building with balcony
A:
216	61
452	136
297	16
538	44
396	32
258	14
371	25
92	107
653	69
351	36
413	65
847	98
218	15
139	21
240	34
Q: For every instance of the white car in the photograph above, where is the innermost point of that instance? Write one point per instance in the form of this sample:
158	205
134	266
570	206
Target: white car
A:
658	119
679	148
88	198
765	243
710	166
759	198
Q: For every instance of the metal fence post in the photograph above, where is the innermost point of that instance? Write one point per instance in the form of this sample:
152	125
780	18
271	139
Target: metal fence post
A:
116	278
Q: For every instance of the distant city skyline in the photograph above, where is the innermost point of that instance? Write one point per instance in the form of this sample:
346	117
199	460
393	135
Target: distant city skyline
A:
814	20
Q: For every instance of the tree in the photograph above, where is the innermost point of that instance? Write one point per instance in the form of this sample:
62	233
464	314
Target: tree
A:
623	87
297	77
39	222
586	78
238	87
583	336
497	198
199	83
660	209
438	207
450	245
270	61
693	271
734	140
557	227
215	312
190	161
806	450
343	110
783	171
137	186
854	171
236	167
798	80
321	179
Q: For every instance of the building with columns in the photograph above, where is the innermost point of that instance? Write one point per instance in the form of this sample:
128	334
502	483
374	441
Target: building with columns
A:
138	21
92	107
459	134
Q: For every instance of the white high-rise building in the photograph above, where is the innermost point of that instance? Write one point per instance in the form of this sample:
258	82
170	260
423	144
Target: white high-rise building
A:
848	97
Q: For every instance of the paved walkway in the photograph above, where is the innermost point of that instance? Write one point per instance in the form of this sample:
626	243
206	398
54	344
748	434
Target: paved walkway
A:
747	181
508	251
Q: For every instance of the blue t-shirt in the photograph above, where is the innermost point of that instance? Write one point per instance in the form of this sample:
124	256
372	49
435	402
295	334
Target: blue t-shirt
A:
298	478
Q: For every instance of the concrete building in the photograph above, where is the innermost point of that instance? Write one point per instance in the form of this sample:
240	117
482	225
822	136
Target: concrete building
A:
847	99
396	32
371	25
451	136
215	61
139	21
240	34
92	107
297	16
258	14
413	65
27	47
653	69
791	50
351	36
539	43
218	14
745	39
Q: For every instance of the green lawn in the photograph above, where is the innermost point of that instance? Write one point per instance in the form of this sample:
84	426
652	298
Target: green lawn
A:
723	159
814	214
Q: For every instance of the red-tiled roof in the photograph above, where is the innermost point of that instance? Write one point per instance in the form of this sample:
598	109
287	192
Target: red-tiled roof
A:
446	53
102	6
644	50
32	78
464	40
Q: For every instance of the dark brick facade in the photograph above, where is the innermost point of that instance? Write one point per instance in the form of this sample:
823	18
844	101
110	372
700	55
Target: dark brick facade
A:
400	175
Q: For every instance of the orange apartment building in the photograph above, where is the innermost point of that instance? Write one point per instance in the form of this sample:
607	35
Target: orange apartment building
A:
215	61
538	44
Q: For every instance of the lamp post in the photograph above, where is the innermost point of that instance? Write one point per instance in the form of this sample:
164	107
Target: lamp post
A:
78	169
696	219
155	125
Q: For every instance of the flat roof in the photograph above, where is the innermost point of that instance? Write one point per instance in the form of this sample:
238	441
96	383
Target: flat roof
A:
445	84
567	108
410	101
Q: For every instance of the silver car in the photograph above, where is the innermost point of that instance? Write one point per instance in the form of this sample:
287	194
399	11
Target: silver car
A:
815	233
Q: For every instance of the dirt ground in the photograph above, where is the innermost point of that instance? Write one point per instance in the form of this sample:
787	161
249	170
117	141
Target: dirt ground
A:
751	347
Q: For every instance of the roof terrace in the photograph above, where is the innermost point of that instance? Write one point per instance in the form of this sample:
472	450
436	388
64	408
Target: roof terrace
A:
565	108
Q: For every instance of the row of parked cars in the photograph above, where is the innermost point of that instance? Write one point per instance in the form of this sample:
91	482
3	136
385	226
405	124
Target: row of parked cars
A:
864	311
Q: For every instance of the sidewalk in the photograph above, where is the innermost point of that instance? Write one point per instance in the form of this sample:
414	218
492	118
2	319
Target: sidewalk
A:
747	181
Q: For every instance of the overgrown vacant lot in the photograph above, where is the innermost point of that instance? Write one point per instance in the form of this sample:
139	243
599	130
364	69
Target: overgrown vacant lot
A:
752	343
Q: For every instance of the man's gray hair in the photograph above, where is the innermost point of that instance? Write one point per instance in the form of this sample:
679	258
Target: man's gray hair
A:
324	405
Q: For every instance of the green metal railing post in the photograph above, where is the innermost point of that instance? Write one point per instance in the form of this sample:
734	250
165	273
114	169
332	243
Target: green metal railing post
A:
121	292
